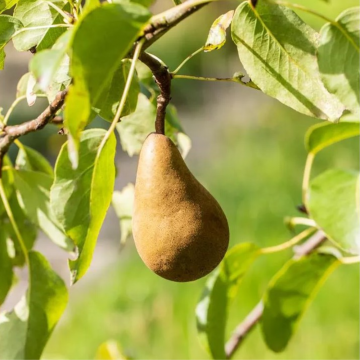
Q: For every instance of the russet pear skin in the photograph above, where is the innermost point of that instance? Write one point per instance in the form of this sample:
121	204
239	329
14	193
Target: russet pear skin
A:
180	230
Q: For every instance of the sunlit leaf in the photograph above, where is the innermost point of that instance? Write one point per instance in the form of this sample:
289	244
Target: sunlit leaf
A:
61	79
123	203
93	63
217	34
77	113
333	202
88	189
175	131
6	272
278	51
27	87
109	100
53	35
289	294
8	26
33	191
320	136
49	58
221	288
45	64
338	58
134	128
7	4
36	13
25	331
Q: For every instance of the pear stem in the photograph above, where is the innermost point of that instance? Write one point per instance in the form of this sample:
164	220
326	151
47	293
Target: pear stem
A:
163	80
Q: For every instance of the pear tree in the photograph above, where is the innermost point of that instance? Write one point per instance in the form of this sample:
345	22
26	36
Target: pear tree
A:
90	59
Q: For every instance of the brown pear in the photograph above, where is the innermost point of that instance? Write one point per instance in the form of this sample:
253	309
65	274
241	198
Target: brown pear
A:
180	230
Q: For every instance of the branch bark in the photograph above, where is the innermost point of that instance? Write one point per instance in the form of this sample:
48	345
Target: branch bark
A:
12	132
244	328
160	24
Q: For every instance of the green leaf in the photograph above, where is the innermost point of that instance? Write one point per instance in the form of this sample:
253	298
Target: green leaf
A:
25	331
109	100
217	34
45	64
289	294
53	35
333	203
322	135
134	128
34	13
27	87
33	190
146	79
30	159
8	181
26	228
278	51
77	114
123	203
94	63
7	4
6	271
88	189
60	80
175	131
8	26
222	286
338	59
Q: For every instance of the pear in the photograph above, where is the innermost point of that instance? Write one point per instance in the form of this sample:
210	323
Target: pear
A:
180	230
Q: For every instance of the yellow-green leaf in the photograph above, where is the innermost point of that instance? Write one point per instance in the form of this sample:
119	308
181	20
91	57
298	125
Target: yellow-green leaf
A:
217	34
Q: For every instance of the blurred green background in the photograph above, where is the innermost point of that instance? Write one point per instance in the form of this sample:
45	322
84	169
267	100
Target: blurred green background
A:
248	151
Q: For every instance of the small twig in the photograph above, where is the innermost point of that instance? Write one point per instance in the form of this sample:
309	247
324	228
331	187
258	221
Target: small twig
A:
306	177
254	316
288	244
163	80
291	222
12	132
310	245
243	329
232	79
186	60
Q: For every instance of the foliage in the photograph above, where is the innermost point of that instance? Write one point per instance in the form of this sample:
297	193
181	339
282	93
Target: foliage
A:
85	66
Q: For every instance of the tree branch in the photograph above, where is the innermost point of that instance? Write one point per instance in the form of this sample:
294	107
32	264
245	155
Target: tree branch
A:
163	80
12	132
160	24
254	316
